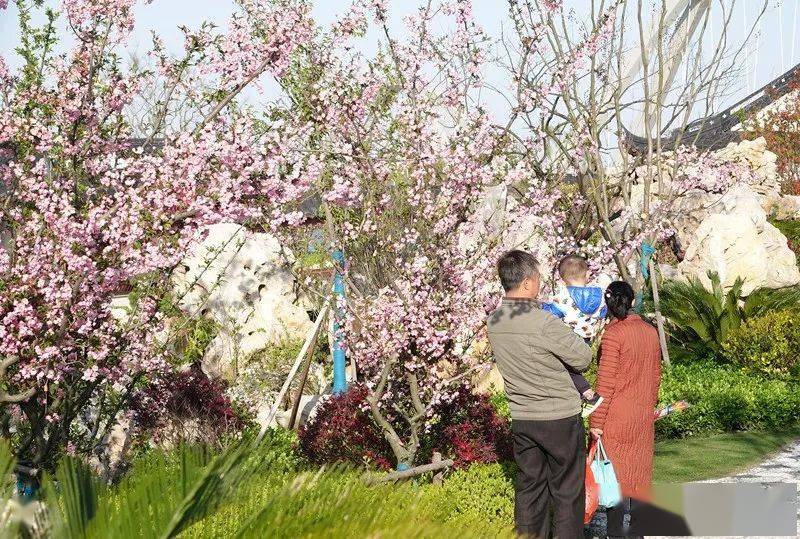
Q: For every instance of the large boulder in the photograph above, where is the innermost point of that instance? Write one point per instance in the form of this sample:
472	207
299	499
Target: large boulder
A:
759	159
736	246
785	207
729	234
242	281
695	206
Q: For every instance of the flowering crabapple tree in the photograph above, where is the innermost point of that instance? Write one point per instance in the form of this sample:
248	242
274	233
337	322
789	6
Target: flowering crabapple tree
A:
409	154
89	212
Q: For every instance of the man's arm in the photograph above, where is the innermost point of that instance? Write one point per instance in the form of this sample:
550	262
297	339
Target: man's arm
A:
565	345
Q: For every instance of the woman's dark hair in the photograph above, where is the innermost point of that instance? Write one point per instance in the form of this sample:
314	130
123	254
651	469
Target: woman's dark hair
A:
619	299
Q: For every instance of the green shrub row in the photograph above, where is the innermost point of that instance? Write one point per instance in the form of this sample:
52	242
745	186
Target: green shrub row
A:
768	344
725	399
473	502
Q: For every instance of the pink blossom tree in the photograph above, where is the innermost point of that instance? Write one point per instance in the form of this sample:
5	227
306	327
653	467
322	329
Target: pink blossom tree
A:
90	211
411	154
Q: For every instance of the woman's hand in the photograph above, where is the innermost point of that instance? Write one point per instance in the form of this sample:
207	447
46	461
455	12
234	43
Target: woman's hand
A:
596	433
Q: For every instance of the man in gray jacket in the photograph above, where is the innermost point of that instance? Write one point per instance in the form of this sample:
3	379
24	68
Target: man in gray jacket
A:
533	349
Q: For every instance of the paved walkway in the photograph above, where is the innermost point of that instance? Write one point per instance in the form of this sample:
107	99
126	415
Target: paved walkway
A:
784	467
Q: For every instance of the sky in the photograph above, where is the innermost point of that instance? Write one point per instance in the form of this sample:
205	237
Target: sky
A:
778	48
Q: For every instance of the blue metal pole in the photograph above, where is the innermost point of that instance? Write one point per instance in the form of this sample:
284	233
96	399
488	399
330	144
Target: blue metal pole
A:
339	359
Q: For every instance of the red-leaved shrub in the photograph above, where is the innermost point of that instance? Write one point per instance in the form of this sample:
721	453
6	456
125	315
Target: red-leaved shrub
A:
341	431
468	430
194	407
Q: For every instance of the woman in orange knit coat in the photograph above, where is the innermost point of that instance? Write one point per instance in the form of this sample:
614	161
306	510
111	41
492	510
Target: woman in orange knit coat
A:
629	374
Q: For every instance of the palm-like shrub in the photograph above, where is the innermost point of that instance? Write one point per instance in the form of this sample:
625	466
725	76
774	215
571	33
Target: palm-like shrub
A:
163	495
250	490
700	320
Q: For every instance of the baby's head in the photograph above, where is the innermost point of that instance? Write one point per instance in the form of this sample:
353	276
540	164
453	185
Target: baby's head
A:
574	270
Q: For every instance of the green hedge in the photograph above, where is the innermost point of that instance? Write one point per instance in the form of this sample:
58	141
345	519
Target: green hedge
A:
725	399
475	502
768	344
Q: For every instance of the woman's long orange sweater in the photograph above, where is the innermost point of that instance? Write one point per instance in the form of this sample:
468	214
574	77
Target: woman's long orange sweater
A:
629	374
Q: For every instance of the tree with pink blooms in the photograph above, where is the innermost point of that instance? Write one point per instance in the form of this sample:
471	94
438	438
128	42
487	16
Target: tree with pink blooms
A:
111	170
410	157
93	208
413	160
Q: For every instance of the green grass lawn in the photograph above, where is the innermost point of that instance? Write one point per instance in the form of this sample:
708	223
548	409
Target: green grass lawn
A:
695	459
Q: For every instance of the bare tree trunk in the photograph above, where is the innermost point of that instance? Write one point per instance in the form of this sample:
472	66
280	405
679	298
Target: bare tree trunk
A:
662	337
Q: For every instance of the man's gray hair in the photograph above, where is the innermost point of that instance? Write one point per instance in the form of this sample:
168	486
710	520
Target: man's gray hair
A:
516	266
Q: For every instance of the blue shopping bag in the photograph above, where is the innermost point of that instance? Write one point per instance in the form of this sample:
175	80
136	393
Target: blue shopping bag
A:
603	471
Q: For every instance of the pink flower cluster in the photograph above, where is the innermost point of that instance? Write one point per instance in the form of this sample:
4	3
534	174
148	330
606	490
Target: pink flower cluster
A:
89	214
406	166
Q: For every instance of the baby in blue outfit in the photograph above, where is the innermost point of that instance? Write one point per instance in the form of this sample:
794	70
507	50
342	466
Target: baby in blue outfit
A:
581	306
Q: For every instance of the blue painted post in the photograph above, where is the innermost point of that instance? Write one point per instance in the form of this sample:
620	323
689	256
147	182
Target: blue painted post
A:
339	359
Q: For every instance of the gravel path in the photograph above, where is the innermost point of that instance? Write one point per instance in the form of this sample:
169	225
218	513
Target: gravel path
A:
784	467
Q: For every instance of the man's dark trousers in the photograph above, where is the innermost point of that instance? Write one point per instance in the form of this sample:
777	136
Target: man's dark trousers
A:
551	456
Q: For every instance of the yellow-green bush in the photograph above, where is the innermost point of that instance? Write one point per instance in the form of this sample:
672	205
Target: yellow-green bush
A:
769	344
476	502
481	495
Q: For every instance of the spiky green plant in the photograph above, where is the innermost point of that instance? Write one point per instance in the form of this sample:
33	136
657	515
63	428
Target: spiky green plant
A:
246	491
10	511
164	494
700	320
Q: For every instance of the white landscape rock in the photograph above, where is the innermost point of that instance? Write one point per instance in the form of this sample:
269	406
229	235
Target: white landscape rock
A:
309	404
242	281
730	234
756	156
740	245
692	209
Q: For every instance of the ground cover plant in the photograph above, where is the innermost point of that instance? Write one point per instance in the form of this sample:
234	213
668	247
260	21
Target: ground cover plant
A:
205	493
